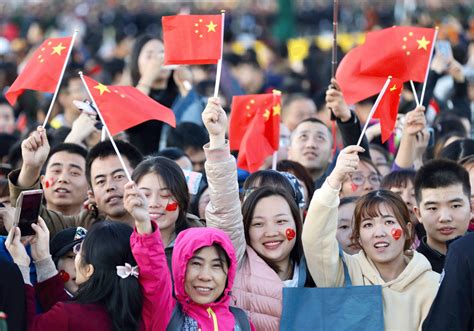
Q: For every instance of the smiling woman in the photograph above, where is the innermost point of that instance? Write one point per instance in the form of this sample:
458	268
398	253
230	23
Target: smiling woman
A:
383	230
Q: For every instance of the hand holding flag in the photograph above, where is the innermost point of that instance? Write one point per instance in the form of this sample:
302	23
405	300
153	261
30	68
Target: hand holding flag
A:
215	121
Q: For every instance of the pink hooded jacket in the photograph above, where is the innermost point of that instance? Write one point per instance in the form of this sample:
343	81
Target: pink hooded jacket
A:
216	315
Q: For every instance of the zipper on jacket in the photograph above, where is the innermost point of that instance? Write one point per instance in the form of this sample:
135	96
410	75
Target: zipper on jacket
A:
214	318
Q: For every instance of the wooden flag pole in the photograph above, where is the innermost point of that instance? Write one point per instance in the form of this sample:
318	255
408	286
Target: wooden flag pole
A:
106	128
429	65
48	114
374	108
219	63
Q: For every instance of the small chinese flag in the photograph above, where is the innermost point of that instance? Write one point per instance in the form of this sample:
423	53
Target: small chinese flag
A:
255	147
192	39
387	110
124	106
400	51
244	109
354	85
43	70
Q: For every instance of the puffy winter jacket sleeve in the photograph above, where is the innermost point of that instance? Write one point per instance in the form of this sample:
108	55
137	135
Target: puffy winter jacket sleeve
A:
319	238
224	209
154	279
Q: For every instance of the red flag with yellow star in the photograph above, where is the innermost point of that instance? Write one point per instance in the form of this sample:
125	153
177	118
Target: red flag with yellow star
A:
400	51
192	39
43	70
255	147
245	108
125	106
387	110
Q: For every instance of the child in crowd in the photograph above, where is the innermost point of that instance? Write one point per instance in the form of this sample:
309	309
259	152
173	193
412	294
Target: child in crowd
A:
345	224
383	231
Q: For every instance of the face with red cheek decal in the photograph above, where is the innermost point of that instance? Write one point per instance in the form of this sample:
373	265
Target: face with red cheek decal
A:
290	234
396	233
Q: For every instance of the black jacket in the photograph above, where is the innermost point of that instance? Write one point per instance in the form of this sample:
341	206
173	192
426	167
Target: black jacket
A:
453	307
436	258
12	295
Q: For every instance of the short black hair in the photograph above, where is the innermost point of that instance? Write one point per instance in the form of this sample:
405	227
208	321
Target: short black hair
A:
188	135
105	148
458	150
399	178
441	173
69	148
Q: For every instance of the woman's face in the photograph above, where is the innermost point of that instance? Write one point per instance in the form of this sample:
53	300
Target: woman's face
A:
271	223
66	263
362	181
344	228
206	276
151	51
382	238
159	197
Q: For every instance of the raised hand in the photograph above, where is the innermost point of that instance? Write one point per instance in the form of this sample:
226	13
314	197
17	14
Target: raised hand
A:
35	148
82	128
136	204
40	241
16	248
347	162
335	102
183	77
415	121
34	151
215	121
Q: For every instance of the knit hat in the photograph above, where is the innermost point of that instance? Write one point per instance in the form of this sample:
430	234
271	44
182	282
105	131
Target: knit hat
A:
65	240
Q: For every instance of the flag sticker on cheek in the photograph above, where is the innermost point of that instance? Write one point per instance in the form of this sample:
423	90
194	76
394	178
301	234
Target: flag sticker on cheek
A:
46	183
396	233
354	187
290	234
171	206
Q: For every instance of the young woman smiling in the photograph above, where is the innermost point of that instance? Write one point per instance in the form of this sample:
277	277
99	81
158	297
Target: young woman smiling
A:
265	232
382	229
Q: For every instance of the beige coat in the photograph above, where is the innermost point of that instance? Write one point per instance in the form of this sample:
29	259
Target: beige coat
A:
406	299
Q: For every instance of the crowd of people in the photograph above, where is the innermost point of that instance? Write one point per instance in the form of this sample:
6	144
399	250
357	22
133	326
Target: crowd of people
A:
110	252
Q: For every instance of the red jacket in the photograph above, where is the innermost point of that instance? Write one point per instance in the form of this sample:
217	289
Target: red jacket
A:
61	315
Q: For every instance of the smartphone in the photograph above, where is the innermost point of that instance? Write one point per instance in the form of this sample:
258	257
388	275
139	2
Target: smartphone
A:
27	211
444	48
87	107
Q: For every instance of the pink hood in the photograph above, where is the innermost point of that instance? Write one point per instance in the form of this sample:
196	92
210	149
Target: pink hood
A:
187	242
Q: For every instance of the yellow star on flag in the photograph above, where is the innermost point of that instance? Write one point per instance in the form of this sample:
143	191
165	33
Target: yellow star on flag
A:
102	88
393	88
58	49
266	114
211	27
422	43
276	110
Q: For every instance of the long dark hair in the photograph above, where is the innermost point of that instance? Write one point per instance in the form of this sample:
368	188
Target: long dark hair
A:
248	209
136	50
106	246
173	178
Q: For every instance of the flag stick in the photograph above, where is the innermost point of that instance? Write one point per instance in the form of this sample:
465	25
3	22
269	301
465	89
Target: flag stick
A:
334	38
414	93
60	78
106	128
428	68
103	134
374	108
274	160
219	63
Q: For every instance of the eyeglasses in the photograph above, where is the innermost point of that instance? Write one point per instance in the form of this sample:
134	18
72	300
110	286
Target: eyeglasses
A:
76	249
359	179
